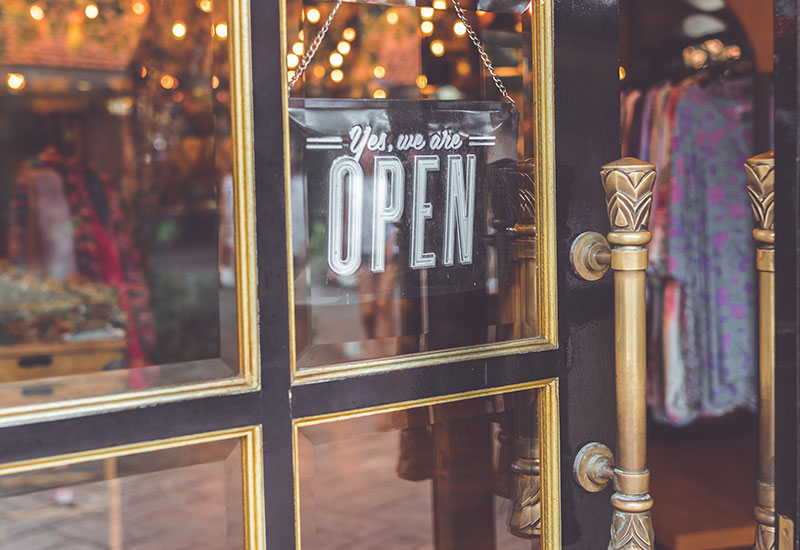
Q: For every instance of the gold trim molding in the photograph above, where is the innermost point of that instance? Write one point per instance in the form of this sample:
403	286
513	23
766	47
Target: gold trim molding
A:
249	365
252	469
549	430
541	13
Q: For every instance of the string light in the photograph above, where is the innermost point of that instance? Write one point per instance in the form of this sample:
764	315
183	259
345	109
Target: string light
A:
179	29
297	48
214	82
337	75
462	67
319	71
379	94
440	5
36	12
422	81
290	75
221	30
138	7
143	72
292	60
426	12
343	47
205	5
622	73
168	82
336	59
15	81
301	35
313	15
460	28
91	11
391	17
349	34
426	27
379	71
437	48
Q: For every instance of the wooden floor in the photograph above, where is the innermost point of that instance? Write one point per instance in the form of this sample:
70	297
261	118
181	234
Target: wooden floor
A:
704	489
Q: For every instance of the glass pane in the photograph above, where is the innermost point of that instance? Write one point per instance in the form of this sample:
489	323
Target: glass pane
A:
116	197
412	183
186	497
455	475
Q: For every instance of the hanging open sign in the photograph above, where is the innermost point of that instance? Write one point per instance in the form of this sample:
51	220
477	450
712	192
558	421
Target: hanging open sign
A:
417	181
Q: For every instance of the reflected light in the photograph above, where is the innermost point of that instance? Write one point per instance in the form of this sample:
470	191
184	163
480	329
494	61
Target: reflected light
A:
343	47
205	5
313	15
622	73
426	12
337	75
297	48
379	94
179	29
440	5
15	81
221	30
301	35
214	82
391	17
422	81
292	60
437	48
138	7
460	28
143	72
91	11
379	71
169	82
336	59
426	27
349	34
319	71
36	12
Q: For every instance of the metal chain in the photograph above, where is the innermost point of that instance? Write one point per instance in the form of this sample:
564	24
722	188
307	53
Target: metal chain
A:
484	56
314	46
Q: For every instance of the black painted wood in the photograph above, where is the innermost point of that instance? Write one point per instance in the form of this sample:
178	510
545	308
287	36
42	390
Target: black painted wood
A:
787	253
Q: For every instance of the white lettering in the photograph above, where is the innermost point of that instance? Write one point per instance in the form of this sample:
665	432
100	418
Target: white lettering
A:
459	209
345	171
422	211
385	213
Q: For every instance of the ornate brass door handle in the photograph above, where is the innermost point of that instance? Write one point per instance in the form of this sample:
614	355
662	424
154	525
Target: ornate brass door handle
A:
761	188
628	185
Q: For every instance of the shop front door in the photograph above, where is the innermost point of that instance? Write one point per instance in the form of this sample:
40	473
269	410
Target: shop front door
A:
390	369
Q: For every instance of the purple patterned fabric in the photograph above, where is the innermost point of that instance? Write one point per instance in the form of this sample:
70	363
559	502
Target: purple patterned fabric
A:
709	249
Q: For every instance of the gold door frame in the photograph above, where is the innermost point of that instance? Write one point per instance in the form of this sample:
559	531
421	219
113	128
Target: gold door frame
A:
541	13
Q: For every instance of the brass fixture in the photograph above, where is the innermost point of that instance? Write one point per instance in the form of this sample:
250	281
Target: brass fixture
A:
628	185
761	188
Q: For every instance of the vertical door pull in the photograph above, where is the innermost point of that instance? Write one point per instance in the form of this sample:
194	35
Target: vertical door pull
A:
628	185
761	188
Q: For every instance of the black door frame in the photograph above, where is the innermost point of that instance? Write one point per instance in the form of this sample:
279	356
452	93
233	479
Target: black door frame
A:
587	136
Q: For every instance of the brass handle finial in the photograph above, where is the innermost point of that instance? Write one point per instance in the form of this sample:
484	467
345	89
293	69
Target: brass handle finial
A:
761	188
628	185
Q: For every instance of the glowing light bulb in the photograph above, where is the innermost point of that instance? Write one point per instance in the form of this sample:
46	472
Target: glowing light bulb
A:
462	67
343	47
426	12
169	82
214	82
379	94
221	30
349	34
290	75
313	15
205	5
143	72
138	7
460	28
379	71
622	73
437	48
319	71
391	17
336	59
292	60
426	27
179	29
297	48
337	75
440	5
15	81
422	81
36	12
91	11
301	35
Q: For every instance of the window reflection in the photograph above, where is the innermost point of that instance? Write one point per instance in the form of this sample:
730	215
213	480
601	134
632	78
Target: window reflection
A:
116	195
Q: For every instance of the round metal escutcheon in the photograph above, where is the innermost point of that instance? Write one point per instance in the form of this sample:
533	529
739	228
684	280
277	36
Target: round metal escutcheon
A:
582	252
587	463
